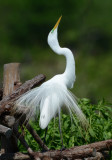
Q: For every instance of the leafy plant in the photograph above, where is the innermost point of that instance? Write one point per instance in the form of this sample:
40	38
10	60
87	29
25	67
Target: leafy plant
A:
100	127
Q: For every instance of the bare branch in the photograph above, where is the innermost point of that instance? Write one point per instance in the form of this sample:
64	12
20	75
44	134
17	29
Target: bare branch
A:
72	153
21	119
36	137
15	156
8	101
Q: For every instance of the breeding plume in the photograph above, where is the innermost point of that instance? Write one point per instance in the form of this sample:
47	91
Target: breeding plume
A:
53	95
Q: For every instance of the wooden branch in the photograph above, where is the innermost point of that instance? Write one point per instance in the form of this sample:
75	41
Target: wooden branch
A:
24	143
7	132
97	157
78	152
21	138
21	119
8	101
36	137
16	156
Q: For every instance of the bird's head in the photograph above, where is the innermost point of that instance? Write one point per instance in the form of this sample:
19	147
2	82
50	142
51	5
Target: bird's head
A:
53	37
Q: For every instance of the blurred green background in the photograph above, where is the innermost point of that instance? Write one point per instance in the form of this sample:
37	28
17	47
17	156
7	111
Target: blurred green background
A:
86	28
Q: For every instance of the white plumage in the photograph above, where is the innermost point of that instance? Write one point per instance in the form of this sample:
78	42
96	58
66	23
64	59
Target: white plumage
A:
53	95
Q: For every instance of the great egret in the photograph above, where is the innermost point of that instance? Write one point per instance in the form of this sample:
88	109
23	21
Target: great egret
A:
53	94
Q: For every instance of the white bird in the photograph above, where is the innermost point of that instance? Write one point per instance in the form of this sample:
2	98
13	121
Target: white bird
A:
53	95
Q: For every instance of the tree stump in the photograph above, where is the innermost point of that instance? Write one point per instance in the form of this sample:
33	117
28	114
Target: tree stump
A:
11	75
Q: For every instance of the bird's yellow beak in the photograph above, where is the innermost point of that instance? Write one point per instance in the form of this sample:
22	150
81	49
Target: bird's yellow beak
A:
57	23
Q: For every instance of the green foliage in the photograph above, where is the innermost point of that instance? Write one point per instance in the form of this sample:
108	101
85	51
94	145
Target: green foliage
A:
100	128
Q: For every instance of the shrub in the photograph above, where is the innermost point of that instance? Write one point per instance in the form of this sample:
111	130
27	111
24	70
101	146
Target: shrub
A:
100	127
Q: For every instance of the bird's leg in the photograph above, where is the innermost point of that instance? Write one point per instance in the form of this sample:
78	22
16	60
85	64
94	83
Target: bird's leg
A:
60	130
45	134
43	150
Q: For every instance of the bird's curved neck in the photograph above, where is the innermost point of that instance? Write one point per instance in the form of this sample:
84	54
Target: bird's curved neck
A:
69	72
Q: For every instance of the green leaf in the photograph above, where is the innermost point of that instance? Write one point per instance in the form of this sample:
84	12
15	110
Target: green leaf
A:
92	133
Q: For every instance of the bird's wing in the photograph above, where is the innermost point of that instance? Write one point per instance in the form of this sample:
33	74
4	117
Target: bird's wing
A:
49	109
29	102
47	99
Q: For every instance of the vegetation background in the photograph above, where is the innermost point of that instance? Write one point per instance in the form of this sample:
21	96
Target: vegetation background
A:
86	28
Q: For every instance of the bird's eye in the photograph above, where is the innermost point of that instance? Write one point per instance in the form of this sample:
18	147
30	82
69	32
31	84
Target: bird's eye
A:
52	30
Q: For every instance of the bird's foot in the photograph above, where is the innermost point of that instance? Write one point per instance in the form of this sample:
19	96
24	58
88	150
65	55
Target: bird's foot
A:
44	150
63	148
